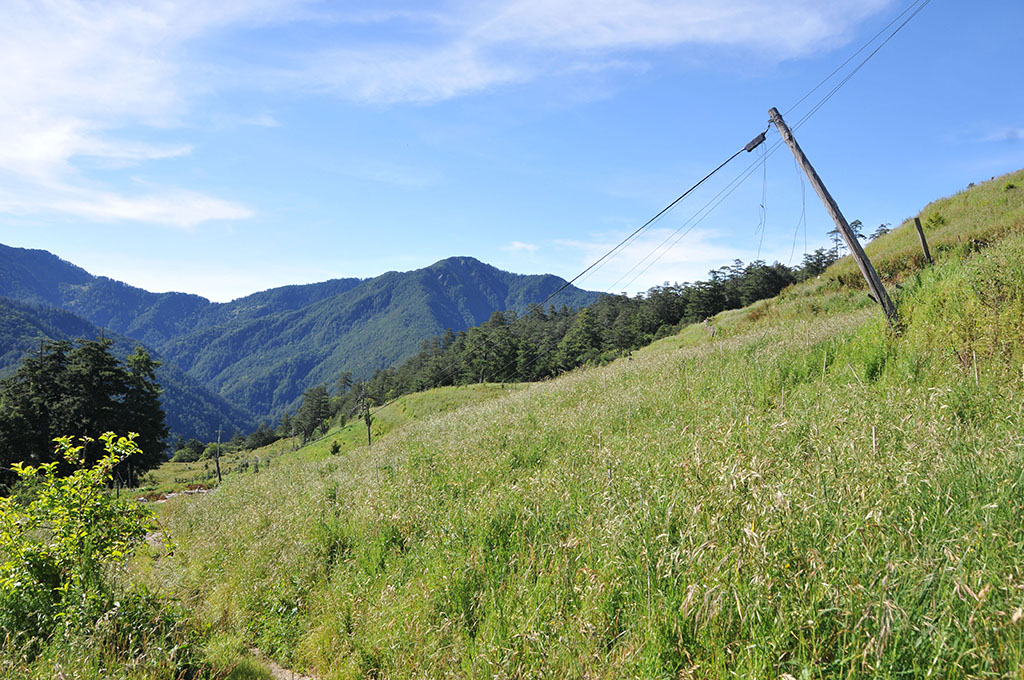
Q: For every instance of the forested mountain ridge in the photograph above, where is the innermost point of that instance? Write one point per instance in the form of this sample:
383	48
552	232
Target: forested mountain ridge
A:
40	277
261	351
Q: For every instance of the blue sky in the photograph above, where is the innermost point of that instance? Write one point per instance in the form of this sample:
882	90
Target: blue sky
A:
229	147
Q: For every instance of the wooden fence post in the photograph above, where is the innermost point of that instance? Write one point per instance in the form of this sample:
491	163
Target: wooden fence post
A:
924	243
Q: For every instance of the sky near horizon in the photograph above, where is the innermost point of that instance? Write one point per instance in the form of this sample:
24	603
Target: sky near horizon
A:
221	148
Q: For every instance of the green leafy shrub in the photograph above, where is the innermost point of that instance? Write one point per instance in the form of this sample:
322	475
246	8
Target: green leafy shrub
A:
934	221
57	537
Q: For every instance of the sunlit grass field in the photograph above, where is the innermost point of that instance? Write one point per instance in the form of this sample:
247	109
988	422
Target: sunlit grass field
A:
807	494
176	476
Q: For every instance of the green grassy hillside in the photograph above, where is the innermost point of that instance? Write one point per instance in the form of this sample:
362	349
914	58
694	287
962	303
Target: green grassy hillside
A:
805	495
174	476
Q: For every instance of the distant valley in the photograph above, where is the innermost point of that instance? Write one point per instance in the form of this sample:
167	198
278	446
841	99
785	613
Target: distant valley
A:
231	364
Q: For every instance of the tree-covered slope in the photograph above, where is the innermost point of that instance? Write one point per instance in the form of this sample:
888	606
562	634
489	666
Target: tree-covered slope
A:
261	351
191	409
266	362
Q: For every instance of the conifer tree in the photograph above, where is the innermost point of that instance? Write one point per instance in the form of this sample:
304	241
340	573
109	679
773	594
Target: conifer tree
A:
82	391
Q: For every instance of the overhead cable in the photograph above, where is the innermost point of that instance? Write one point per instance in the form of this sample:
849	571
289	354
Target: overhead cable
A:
750	146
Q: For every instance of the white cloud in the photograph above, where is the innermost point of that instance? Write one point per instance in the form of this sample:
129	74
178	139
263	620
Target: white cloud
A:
389	74
77	73
787	28
518	40
520	247
82	82
174	208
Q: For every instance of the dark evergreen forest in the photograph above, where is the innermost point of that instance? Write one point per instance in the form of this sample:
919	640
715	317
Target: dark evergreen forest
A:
83	390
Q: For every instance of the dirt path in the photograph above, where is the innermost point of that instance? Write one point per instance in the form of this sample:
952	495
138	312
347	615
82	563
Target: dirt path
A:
279	672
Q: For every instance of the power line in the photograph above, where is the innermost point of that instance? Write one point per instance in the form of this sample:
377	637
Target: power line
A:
763	226
922	4
803	213
750	146
914	9
859	50
703	213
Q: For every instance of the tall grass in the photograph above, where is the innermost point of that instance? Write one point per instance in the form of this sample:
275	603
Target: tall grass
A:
807	495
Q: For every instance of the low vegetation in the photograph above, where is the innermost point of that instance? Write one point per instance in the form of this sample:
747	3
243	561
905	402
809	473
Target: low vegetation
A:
63	610
804	495
197	470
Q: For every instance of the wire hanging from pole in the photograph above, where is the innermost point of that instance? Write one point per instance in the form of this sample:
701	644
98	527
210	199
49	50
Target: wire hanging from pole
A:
764	203
803	214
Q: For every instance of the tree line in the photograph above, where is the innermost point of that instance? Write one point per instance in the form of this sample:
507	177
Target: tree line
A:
545	342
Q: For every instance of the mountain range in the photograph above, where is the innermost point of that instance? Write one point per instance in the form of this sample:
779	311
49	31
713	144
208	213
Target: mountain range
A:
231	364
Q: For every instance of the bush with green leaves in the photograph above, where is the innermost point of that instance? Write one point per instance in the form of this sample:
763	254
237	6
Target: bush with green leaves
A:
58	536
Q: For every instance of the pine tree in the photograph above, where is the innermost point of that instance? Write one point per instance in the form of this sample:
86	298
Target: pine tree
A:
81	391
142	407
314	412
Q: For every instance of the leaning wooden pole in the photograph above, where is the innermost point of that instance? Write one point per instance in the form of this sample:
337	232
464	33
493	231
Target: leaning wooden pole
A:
866	269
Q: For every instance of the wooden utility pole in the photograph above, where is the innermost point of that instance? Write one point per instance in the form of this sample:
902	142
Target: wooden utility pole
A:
924	242
217	457
866	269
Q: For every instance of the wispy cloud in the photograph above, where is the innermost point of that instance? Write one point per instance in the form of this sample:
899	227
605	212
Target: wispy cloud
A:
82	82
392	74
176	208
1006	134
519	40
520	247
76	74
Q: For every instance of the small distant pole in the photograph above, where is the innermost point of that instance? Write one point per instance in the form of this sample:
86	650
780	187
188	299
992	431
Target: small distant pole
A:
217	457
866	269
924	243
368	419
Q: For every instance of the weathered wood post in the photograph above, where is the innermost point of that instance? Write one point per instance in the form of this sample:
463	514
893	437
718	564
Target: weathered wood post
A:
924	243
863	263
216	458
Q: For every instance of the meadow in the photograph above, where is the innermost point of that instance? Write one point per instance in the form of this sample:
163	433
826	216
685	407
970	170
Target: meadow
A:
806	494
175	476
